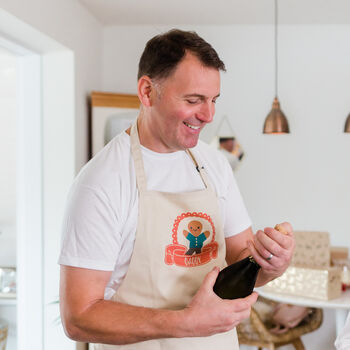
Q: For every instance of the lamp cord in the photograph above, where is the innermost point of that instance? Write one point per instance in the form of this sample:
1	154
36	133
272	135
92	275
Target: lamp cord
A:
276	48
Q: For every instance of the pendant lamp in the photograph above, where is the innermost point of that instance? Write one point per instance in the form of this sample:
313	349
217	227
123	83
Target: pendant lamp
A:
347	124
276	122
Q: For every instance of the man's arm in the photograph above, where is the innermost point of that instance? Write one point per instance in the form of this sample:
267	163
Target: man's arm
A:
260	246
86	316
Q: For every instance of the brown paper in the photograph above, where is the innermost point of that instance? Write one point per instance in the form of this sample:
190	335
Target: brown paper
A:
312	249
338	253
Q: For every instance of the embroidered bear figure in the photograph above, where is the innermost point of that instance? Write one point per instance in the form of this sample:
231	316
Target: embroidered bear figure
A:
196	237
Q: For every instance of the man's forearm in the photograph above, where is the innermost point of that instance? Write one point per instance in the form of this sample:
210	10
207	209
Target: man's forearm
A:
110	322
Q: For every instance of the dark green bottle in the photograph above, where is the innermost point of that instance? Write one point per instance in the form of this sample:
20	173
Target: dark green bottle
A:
237	280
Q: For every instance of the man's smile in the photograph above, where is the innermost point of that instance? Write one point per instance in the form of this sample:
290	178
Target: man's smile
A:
192	126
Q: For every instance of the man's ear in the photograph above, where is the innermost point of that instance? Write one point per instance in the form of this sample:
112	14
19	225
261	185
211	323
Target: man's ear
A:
146	91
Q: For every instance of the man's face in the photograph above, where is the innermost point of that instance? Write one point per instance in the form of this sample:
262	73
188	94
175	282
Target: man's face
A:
185	103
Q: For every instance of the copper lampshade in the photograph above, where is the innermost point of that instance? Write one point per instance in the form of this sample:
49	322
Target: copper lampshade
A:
276	122
347	124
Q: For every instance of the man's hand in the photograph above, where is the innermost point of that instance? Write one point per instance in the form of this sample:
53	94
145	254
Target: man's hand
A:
273	251
208	314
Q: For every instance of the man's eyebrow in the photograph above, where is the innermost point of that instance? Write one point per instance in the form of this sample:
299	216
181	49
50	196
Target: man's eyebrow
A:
202	97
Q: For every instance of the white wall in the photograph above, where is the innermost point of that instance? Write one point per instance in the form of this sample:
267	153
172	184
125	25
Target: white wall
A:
301	177
70	24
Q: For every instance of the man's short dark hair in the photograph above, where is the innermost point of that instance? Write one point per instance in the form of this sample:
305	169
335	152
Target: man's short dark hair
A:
163	53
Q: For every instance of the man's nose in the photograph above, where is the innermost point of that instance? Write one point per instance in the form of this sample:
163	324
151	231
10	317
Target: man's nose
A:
207	112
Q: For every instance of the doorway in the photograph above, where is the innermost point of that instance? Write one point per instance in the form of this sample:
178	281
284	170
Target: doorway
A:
8	251
45	168
21	199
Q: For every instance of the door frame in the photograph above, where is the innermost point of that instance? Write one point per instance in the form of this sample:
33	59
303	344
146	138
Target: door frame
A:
46	169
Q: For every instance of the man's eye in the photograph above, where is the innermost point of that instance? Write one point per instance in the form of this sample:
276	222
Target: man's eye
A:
192	102
214	101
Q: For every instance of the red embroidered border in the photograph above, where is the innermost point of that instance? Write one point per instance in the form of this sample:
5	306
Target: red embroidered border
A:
175	253
186	215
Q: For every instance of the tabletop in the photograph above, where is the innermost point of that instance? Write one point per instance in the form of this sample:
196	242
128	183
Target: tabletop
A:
343	302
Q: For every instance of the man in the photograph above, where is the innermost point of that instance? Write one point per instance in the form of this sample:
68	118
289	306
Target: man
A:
126	279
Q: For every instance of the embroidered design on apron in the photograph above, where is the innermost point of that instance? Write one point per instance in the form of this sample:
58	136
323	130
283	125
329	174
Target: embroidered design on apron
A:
194	242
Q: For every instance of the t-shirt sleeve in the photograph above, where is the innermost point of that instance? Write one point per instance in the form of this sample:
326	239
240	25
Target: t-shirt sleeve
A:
90	237
236	215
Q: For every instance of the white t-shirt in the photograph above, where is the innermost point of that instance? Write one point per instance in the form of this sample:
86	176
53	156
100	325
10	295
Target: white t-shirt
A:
102	209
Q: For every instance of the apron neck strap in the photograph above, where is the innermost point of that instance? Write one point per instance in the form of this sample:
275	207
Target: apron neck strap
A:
140	169
200	168
137	156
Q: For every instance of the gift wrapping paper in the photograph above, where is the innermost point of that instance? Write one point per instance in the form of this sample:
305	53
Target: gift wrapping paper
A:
323	284
312	249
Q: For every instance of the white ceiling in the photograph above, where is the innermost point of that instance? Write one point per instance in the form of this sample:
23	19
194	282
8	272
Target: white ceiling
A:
219	12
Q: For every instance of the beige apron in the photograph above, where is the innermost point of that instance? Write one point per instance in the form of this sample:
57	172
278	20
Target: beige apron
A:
161	274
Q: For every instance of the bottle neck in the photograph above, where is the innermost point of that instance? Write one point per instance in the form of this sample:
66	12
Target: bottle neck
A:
251	259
